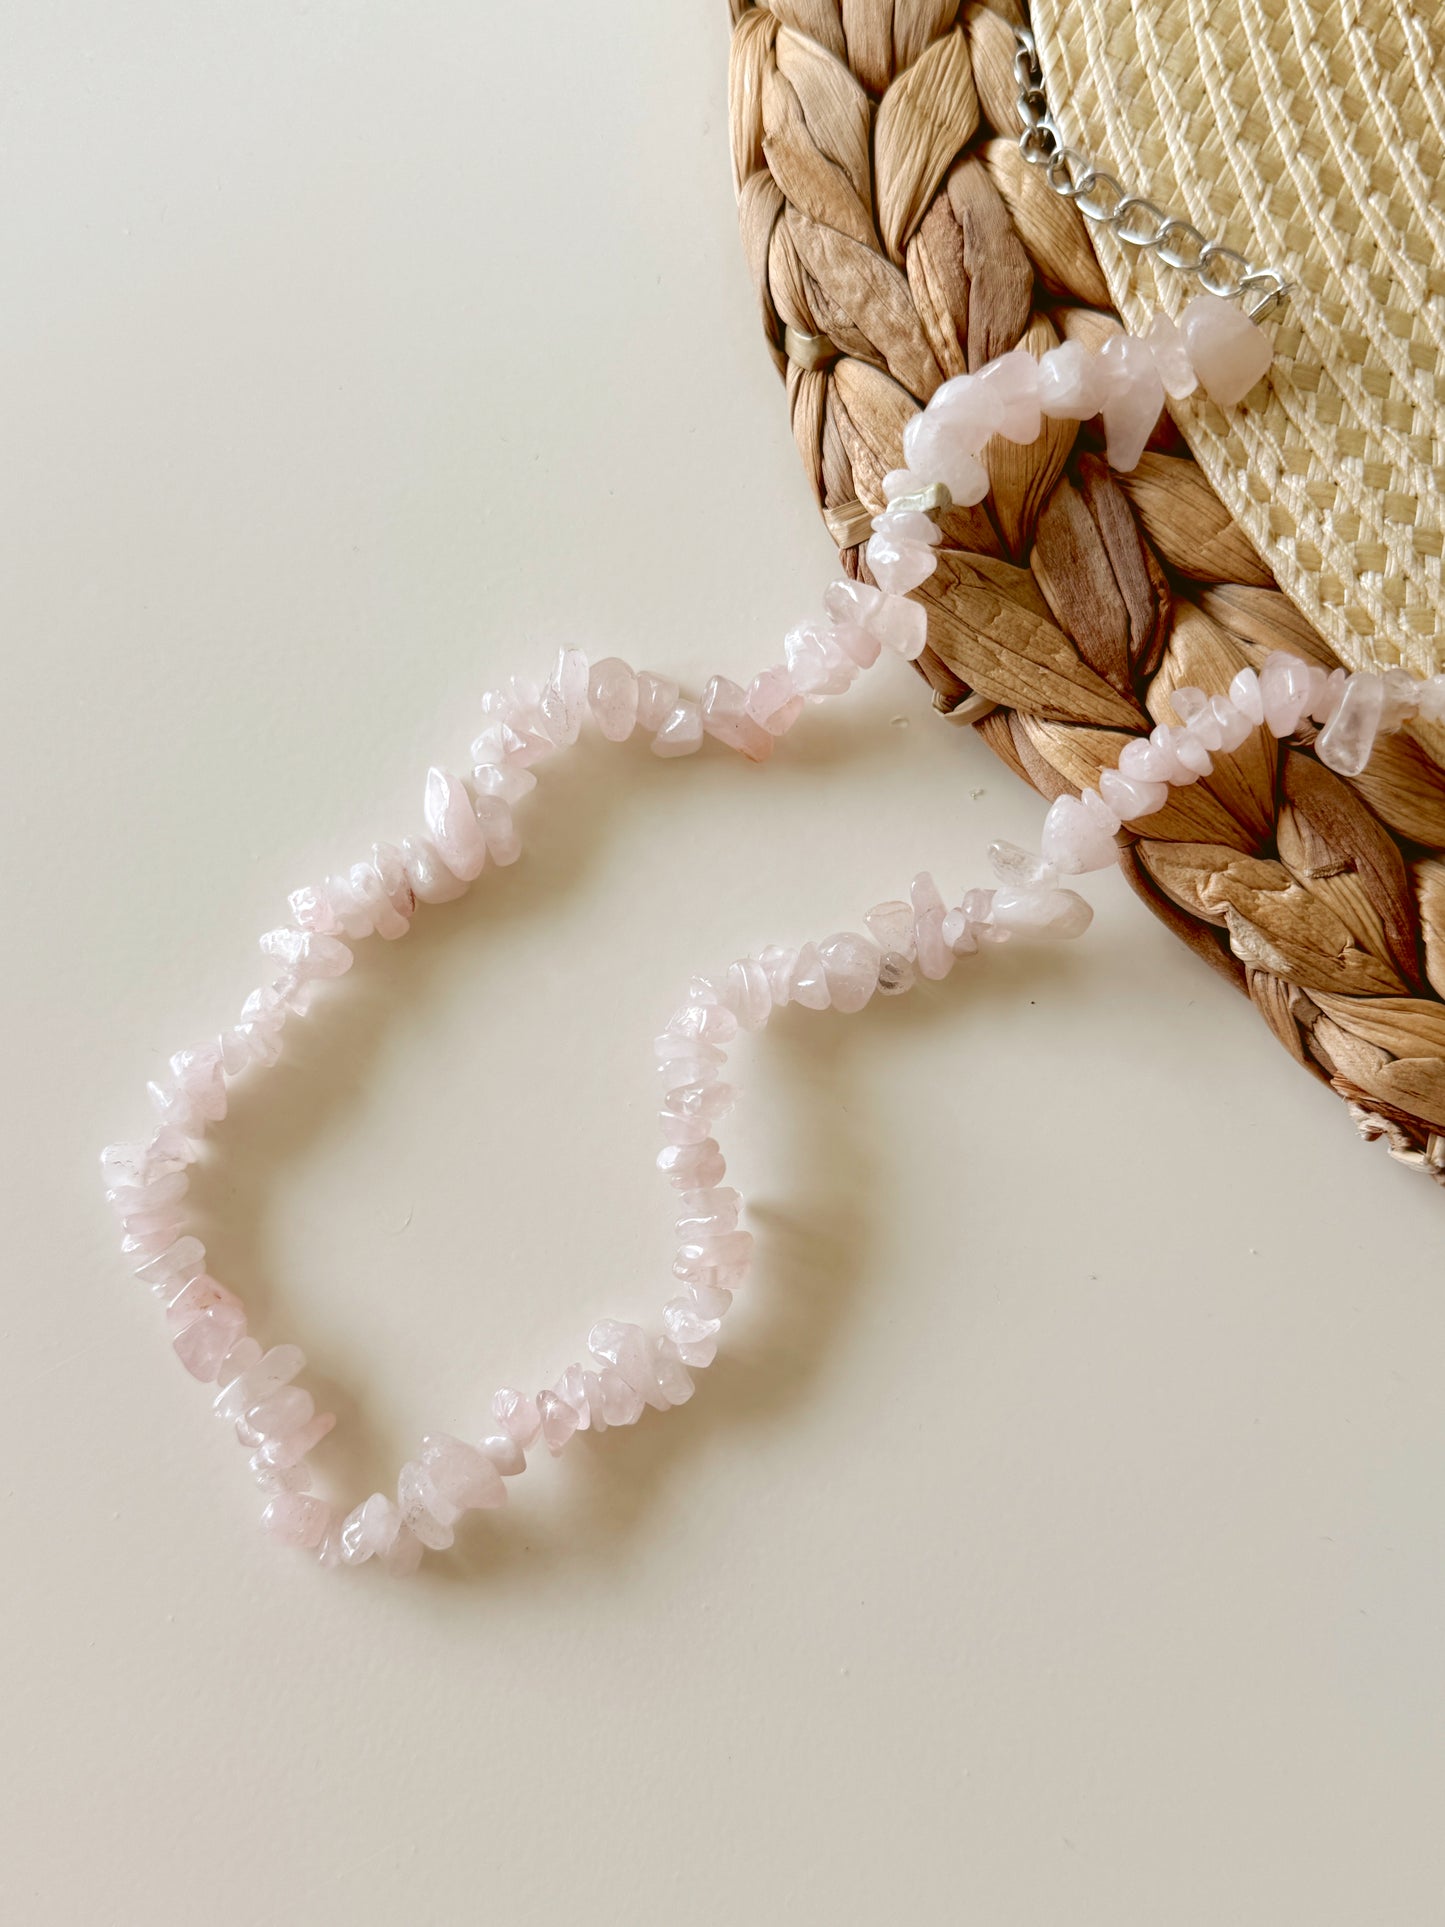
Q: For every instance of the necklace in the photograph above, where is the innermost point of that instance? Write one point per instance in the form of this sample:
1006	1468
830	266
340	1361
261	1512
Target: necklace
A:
471	822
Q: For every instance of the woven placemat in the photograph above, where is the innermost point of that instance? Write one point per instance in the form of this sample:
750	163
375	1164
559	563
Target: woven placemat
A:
896	237
1313	138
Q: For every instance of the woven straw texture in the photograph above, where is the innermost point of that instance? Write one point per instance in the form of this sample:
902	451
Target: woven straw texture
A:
1312	138
896	237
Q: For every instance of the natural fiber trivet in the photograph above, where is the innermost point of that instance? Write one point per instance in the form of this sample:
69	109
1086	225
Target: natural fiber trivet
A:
897	237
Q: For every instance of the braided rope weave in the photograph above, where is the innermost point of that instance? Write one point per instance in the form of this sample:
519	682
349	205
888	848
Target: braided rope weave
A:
897	237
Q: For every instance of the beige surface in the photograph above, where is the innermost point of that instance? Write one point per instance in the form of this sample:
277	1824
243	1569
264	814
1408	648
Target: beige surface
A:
1056	1544
1311	138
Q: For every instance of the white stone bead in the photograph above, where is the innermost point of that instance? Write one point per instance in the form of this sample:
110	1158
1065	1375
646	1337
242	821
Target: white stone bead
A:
1346	741
424	1512
564	700
1041	914
1130	797
1070	386
1011	864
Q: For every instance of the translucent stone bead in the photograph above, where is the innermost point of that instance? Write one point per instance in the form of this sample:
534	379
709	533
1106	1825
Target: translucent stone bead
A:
777	961
207	1339
816	665
286	1410
705	1102
892	925
1071	388
464	1476
692	1167
140	1167
670	1373
294	1446
1044	915
370	1530
1247	697
772	701
1230	354
717	1250
681	1130
1327	692
612	692
198	1295
898	565
276	1368
424	1512
809	983
958	932
943	442
850	966
308	954
704	1023
517	1415
681	734
656	700
1010	383
242	1356
453	826
1171	357
558	1419
1130	797
1076	839
897	623
671	1048
390	865
625	1346
296	1520
563	702
703	1212
748	994
1346	741
725	716
174	1266
1133	399
1401	700
621	1405
1430	697
1012	864
935	959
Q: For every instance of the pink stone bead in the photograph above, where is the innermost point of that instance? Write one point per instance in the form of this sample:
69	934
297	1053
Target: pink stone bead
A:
943	442
505	1453
670	1048
777	961
935	959
894	621
199	1294
681	1130
507	782
1133	399
717	1209
203	1343
563	702
1346	741
1071	388
499	831
307	954
1074	840
725	716
1011	383
808	985
1229	352
1247	697
612	692
198	1076
173	1267
403	1555
296	1520
559	1421
1326	694
621	1405
452	824
669	1372
692	1167
898	565
656	700
772	701
517	1415
704	1023
681	734
704	1102
462	1474
958	932
816	665
850	965
1171	357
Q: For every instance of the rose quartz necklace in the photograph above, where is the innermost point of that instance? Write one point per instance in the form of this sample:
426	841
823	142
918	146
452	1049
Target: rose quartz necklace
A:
471	822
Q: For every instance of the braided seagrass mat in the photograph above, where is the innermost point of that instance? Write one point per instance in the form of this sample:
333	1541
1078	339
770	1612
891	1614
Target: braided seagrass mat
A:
897	237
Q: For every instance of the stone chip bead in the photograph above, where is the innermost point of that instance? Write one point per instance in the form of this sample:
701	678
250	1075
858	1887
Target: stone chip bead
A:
1229	352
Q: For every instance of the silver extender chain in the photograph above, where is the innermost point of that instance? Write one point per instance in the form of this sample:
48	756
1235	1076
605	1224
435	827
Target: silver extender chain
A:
1137	222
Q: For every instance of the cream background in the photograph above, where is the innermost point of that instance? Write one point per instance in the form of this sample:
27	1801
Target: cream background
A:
1060	1538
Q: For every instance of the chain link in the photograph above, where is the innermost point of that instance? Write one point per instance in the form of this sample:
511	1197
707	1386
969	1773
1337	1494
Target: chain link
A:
1136	221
